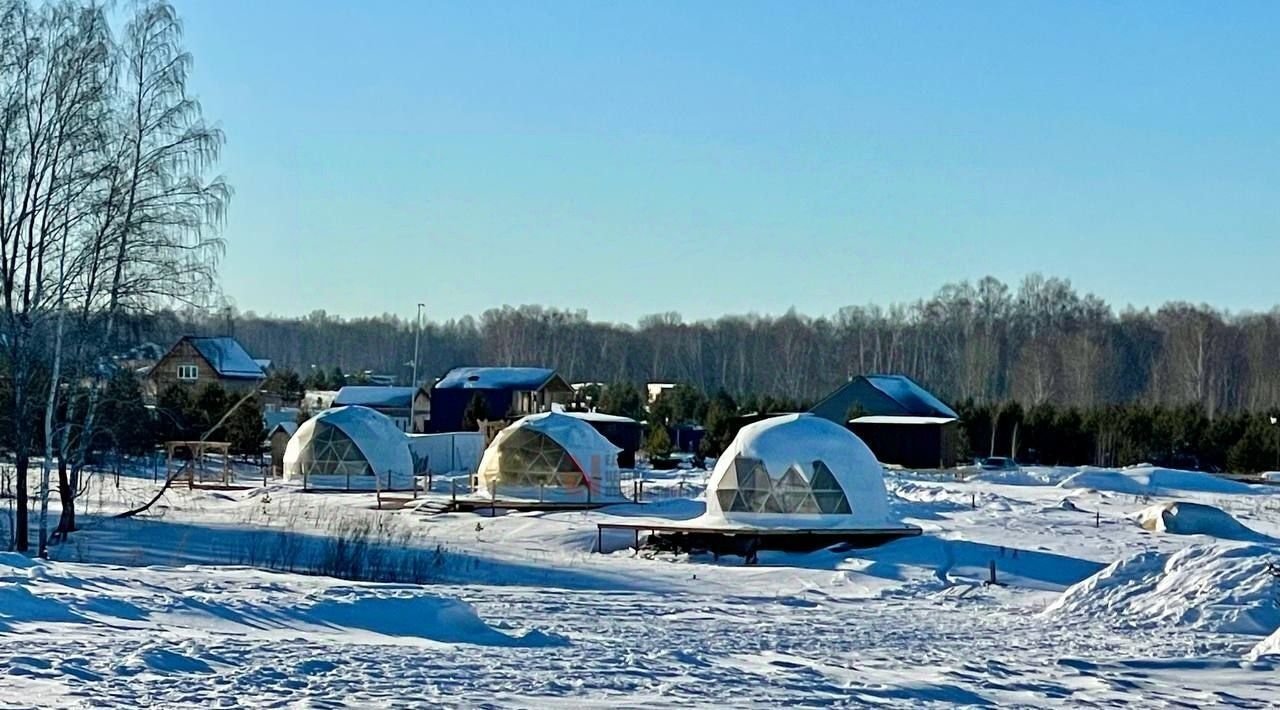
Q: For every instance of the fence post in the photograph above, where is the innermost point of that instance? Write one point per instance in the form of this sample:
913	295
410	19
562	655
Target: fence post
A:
453	489
991	568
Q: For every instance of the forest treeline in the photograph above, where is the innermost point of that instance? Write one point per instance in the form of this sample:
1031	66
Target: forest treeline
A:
1037	343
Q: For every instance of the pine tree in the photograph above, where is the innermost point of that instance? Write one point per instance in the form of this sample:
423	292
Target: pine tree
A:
245	430
210	405
477	410
175	414
658	443
126	425
623	399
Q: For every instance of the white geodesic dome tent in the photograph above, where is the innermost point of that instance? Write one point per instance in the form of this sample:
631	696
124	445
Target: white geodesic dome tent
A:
550	456
349	447
797	470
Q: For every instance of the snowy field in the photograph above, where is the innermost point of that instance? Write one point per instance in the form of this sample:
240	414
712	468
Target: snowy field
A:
1108	596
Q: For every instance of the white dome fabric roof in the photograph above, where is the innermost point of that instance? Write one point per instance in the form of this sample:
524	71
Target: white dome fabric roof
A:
594	455
812	448
382	443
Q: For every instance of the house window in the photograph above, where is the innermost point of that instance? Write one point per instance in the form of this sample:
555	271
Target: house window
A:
188	372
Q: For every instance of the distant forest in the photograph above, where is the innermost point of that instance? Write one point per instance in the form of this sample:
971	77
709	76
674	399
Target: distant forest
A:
1040	342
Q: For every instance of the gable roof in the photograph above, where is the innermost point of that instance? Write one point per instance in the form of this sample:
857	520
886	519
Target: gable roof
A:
227	357
375	396
496	378
289	427
882	395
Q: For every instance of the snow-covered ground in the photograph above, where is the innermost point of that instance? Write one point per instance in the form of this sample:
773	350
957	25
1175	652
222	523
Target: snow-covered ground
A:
177	608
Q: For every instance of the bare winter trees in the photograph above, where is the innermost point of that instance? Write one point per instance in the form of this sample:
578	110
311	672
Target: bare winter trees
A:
105	206
1040	342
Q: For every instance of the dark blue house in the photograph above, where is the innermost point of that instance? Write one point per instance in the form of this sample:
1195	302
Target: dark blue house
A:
507	393
900	421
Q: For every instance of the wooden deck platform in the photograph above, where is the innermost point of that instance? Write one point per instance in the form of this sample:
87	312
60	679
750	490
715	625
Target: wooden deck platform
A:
472	505
746	541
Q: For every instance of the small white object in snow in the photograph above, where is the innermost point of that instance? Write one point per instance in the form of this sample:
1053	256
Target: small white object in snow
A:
1182	518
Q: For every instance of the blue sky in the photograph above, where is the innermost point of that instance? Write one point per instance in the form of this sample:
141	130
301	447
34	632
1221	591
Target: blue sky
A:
712	158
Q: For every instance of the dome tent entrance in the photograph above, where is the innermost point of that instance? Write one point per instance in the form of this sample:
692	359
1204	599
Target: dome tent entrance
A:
550	456
349	448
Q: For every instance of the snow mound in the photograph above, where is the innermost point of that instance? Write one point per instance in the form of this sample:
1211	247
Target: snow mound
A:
1150	480
1182	518
1270	646
1220	587
1021	477
240	602
1271	476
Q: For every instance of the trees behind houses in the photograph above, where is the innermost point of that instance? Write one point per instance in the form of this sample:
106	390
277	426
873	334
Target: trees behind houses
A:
1036	343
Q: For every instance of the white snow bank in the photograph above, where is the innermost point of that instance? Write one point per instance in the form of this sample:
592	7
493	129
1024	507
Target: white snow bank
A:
1150	480
1220	587
237	601
1182	518
1270	646
1271	476
1033	476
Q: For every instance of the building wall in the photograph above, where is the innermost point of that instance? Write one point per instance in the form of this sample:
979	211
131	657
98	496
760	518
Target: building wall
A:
911	445
279	440
449	404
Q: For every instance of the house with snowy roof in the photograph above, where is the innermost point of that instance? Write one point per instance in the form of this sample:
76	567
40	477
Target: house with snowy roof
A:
900	421
507	393
196	361
408	407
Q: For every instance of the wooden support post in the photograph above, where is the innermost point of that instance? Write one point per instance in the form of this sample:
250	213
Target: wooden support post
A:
1097	518
991	569
453	489
637	547
973	500
599	539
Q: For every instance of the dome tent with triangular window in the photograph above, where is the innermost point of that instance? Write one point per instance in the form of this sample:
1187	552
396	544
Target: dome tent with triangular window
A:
349	447
797	470
550	456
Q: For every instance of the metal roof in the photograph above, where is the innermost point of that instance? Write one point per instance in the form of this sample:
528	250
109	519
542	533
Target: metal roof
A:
373	396
496	378
891	419
228	358
913	398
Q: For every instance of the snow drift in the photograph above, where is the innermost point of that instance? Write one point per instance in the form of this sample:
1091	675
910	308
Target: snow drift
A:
1182	518
240	602
1268	647
1219	587
1150	480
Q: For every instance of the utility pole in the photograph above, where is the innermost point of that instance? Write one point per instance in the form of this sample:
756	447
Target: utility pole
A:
417	341
1274	423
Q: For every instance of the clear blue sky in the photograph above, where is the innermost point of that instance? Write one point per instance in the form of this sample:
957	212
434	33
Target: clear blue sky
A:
711	158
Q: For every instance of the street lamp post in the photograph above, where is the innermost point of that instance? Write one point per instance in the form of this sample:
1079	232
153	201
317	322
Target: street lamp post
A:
1274	422
417	341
